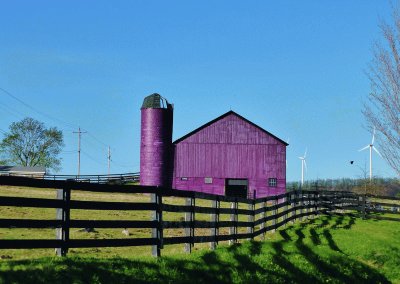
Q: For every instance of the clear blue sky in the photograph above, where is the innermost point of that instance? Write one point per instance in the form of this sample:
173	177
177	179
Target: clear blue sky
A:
296	68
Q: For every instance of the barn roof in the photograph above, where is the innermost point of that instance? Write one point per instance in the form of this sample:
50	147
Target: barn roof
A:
10	169
223	116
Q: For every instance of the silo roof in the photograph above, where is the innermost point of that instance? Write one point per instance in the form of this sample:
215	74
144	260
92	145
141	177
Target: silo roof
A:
155	101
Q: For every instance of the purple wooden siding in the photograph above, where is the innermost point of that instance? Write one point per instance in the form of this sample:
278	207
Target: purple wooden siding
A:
155	147
230	148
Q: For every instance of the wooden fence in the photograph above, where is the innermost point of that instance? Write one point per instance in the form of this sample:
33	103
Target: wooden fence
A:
248	218
105	179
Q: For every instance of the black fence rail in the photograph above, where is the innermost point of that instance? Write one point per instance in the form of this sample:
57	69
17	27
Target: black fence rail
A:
241	218
103	179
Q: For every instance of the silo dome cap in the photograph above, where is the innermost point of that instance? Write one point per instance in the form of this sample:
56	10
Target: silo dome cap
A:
156	101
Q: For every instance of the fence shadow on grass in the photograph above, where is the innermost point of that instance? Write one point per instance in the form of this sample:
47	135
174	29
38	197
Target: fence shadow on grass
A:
250	262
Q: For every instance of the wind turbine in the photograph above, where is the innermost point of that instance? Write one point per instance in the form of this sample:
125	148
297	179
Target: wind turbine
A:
371	146
303	165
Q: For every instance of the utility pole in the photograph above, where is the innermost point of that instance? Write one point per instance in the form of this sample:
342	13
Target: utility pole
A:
79	132
109	159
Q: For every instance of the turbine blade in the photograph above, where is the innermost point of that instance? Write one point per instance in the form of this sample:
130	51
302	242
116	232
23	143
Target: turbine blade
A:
362	149
373	137
305	165
376	150
305	154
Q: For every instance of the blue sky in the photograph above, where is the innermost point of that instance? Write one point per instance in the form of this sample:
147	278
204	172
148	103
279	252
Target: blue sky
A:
296	68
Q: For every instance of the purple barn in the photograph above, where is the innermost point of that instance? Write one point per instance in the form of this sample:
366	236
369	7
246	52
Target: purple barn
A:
229	155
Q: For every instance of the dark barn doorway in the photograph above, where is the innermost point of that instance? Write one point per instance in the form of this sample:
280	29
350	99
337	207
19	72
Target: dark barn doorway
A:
236	187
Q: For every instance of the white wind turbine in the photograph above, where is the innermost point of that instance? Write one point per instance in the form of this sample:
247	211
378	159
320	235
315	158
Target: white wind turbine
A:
303	166
371	146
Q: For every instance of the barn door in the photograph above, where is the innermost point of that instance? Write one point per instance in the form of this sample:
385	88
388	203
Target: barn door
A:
236	187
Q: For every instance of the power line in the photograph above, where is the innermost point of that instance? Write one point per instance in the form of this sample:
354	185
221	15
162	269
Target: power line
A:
98	140
11	111
71	125
93	159
36	110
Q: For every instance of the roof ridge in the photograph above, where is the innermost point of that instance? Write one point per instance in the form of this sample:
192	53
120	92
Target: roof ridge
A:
221	117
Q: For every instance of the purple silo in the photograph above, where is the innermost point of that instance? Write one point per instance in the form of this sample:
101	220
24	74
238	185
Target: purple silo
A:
156	141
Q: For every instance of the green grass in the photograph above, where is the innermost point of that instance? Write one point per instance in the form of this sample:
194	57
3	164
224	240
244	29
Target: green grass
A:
329	249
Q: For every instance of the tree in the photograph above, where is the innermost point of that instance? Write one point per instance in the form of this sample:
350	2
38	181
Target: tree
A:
29	143
382	110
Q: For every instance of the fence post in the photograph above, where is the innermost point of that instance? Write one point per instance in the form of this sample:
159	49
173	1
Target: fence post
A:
285	199
157	233
308	210
301	205
189	217
263	216
233	218
250	219
364	201
293	205
275	211
311	204
215	219
317	201
63	214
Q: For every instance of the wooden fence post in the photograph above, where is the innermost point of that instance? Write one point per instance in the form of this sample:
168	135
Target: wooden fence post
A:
189	217
215	219
274	212
250	218
233	218
363	205
63	214
293	205
157	233
308	204
301	204
263	216
311	204
285	208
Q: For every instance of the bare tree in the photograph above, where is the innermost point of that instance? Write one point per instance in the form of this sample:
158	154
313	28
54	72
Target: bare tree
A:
382	110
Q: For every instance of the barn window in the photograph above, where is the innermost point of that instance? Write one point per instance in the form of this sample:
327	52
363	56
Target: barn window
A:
272	182
208	180
184	178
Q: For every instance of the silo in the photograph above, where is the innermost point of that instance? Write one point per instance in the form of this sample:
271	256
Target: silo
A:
156	141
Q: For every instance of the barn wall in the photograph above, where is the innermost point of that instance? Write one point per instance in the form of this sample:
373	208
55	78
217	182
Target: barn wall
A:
230	148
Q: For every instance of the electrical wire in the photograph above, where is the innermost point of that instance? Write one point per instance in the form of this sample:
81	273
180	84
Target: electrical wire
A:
68	124
93	159
36	110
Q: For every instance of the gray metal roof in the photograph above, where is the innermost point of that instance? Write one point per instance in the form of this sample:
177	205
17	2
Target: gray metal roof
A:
155	101
22	169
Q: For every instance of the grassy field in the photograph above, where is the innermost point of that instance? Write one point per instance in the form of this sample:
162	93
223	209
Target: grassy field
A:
330	249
